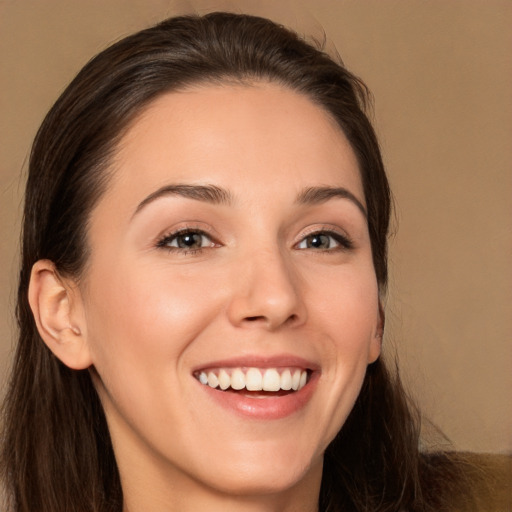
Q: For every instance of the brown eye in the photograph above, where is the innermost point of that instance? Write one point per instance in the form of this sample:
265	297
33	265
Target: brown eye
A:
324	241
190	241
319	241
187	240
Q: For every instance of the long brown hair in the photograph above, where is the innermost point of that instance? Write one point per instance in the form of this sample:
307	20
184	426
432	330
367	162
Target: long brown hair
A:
56	451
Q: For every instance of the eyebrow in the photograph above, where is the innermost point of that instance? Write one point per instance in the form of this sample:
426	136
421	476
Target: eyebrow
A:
206	193
319	195
217	195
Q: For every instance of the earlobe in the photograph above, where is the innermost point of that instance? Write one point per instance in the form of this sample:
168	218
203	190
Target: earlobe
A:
57	312
376	342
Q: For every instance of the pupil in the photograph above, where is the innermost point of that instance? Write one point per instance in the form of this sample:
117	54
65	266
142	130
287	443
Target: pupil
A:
189	240
319	241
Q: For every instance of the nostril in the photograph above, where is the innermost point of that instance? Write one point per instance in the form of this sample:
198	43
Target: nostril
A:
262	318
292	318
254	318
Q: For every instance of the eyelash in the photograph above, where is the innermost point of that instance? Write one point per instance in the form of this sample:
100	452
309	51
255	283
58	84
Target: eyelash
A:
342	241
165	241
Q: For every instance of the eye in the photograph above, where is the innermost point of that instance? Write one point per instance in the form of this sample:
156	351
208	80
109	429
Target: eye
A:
324	240
187	240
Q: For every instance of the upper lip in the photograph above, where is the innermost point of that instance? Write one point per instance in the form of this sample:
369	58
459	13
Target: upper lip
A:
259	361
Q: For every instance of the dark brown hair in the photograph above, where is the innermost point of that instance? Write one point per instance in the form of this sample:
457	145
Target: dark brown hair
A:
56	450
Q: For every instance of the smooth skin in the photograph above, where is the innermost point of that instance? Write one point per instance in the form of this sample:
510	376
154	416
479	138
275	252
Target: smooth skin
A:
261	271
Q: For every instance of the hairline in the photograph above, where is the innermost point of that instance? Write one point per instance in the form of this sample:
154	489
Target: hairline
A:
108	168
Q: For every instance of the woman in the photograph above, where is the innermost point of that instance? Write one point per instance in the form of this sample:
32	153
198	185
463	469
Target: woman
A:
204	257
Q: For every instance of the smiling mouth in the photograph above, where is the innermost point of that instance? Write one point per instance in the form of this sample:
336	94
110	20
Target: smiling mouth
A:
256	382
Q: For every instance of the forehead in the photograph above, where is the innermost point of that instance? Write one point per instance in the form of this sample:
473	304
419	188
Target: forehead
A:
254	137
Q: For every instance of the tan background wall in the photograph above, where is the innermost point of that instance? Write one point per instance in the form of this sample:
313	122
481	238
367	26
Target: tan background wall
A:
442	78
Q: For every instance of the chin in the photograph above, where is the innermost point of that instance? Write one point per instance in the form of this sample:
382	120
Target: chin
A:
265	472
268	480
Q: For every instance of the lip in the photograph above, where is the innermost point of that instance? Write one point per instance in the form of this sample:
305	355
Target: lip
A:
279	361
262	408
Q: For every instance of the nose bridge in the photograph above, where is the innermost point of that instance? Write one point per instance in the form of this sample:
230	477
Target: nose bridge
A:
267	289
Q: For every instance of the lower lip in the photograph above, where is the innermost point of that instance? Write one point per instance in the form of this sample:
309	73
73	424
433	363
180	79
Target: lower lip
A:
264	408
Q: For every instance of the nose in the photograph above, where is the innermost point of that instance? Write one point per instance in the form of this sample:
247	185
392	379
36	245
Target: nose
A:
267	293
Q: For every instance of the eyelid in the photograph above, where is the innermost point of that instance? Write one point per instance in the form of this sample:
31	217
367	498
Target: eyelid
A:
172	233
340	235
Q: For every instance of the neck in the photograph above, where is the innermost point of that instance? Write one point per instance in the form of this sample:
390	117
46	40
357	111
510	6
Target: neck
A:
140	502
172	492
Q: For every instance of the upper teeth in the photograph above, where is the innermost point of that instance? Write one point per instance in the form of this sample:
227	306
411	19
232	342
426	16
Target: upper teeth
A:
255	379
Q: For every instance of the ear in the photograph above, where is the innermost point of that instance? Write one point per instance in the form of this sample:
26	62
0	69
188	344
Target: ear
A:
58	313
376	342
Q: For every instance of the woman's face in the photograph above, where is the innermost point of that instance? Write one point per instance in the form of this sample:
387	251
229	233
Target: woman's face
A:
230	250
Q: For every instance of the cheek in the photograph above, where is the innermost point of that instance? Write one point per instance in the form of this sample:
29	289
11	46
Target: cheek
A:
141	333
145	318
347	304
348	316
354	327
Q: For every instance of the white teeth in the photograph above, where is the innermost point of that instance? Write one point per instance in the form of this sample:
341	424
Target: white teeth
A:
271	380
213	382
255	379
303	378
296	380
286	380
224	380
238	379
